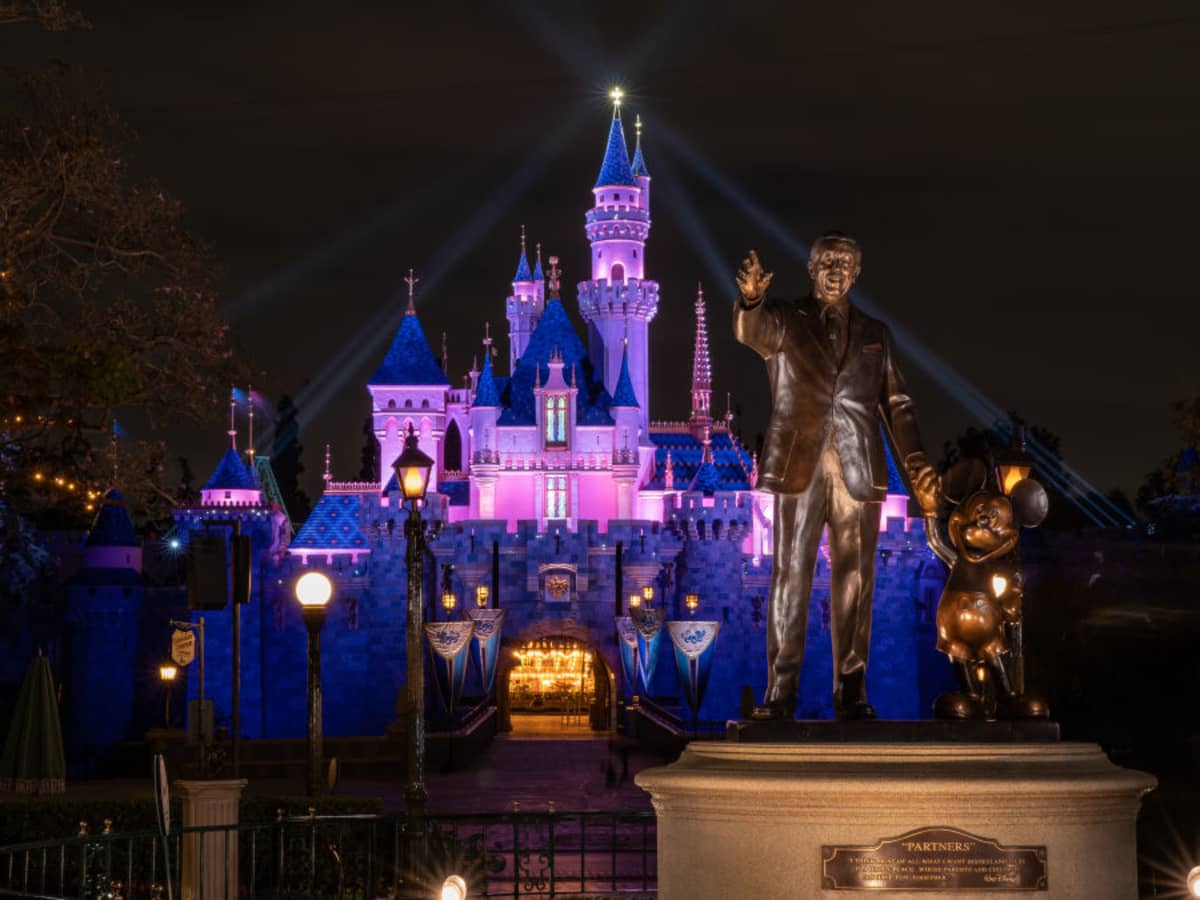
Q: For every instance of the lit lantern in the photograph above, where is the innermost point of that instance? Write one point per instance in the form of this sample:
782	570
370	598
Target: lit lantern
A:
481	596
167	672
412	468
648	594
635	600
1013	465
692	602
449	601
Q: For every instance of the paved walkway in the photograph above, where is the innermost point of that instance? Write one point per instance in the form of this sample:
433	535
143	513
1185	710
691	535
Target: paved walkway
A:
539	762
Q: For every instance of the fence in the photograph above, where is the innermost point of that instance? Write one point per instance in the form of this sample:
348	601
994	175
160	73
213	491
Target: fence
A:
552	854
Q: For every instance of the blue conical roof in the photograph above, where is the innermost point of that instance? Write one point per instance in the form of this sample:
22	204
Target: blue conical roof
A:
113	527
624	395
409	360
639	163
707	480
231	474
523	273
615	169
554	334
537	271
486	393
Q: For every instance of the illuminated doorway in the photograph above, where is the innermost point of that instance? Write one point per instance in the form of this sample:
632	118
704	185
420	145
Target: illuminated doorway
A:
557	685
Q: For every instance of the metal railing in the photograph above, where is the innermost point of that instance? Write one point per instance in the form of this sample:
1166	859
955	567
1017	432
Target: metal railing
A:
551	854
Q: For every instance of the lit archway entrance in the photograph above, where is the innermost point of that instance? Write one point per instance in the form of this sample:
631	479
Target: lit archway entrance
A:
557	686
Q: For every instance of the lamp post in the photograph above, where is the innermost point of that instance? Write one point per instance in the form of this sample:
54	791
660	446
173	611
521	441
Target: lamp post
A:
412	469
313	590
635	603
166	674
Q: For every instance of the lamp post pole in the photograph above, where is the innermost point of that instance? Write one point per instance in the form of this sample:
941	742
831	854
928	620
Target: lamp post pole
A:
314	621
313	590
412	468
414	537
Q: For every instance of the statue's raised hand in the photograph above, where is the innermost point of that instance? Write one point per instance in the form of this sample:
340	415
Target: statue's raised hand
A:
752	280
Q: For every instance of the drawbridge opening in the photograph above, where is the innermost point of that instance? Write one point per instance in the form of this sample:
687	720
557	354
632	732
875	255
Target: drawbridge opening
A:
558	686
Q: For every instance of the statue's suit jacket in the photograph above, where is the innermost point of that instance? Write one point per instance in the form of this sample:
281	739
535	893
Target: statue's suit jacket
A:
813	398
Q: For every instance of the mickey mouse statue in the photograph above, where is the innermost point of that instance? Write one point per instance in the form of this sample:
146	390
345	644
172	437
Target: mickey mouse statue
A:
979	614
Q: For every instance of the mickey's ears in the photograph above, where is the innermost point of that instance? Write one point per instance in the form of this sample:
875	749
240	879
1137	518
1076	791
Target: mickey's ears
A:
1030	502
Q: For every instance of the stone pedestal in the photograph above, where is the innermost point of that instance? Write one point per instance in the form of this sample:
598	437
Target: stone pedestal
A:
210	859
760	819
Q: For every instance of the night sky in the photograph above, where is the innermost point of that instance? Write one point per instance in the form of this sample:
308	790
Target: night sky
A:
1022	178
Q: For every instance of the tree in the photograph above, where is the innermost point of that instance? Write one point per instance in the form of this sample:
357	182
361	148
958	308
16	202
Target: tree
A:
106	302
368	469
286	451
1066	511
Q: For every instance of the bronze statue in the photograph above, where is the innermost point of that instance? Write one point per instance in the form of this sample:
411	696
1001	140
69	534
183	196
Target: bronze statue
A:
834	383
979	613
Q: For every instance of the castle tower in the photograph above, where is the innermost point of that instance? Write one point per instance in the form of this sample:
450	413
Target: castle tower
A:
524	307
700	423
625	413
485	461
618	302
409	387
104	601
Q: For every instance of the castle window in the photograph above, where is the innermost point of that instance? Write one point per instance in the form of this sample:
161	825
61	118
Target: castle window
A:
424	404
556	420
408	404
617	273
556	496
391	404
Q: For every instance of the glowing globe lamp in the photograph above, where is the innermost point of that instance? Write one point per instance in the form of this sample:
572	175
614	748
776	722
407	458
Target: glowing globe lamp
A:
313	589
1193	882
454	888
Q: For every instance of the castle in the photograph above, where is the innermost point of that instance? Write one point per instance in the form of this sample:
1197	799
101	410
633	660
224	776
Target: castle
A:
555	490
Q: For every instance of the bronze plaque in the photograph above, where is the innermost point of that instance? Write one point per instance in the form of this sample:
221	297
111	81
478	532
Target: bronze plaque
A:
934	859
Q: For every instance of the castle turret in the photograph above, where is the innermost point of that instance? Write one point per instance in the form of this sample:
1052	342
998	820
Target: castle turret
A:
524	307
409	387
700	423
618	302
625	411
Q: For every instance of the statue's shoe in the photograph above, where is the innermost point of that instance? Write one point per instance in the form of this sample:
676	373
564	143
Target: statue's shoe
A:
856	712
769	712
957	705
1022	706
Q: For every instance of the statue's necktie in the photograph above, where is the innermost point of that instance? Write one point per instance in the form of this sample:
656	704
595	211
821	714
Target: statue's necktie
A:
835	329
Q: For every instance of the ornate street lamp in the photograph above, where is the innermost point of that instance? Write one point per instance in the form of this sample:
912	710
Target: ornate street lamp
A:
412	469
481	596
166	674
692	602
313	590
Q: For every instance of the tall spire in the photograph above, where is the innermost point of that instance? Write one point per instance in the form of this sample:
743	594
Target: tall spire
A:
701	370
486	393
523	273
250	408
615	169
445	355
639	161
411	281
555	276
328	477
113	447
537	266
232	417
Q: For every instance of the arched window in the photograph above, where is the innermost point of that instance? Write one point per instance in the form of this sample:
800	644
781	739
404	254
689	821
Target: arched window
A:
392	404
408	404
425	404
452	448
556	496
617	273
556	420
